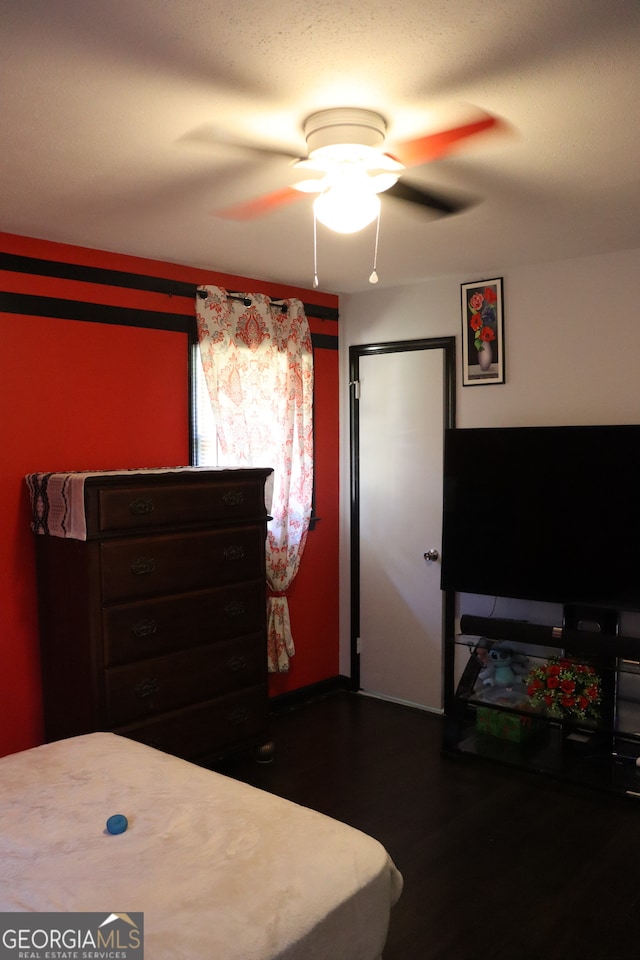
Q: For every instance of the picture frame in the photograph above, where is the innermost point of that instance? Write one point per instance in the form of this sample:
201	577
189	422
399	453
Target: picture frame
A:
483	359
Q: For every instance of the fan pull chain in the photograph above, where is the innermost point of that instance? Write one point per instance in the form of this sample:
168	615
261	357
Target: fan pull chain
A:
315	252
374	276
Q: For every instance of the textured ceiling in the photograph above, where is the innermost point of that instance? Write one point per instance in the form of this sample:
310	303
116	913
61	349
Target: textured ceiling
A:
122	124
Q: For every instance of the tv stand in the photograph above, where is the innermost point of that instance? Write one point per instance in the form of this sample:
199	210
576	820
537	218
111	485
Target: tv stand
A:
562	701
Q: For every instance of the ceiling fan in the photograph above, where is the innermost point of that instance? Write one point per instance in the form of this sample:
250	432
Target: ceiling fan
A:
346	154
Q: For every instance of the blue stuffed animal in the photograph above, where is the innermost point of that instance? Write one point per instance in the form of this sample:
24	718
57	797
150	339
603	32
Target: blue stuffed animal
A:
502	667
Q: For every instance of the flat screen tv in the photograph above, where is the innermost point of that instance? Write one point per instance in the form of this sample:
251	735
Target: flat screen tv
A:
543	513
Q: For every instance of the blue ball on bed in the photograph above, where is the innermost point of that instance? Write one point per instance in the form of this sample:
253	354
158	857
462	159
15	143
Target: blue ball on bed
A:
118	823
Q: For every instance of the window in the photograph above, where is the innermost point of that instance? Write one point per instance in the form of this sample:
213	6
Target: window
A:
206	440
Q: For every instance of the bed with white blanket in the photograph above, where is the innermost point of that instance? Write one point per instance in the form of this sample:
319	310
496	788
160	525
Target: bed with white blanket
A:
221	870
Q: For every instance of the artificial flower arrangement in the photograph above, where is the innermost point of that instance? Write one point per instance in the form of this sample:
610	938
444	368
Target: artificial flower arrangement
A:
566	689
482	310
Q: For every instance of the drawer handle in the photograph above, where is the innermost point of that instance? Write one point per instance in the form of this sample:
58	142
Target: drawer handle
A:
234	552
144	628
141	505
233	498
237	662
237	717
147	687
143	566
235	608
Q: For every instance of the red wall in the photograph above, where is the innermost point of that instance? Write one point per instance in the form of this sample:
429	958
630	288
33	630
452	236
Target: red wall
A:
77	395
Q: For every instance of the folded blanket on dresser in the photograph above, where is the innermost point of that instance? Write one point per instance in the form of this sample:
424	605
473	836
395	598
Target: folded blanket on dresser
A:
221	870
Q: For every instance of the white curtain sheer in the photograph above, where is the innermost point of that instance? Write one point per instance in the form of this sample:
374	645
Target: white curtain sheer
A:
258	365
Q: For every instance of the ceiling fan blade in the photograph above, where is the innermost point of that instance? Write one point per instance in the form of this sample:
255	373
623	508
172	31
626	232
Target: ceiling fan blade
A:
213	136
425	198
259	206
434	145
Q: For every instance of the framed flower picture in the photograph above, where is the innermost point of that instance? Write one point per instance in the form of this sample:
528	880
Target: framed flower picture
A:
482	333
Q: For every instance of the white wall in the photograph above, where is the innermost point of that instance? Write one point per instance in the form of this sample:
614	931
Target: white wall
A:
572	353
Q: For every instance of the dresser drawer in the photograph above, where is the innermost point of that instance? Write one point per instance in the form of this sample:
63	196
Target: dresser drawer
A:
164	683
175	563
205	729
134	631
169	504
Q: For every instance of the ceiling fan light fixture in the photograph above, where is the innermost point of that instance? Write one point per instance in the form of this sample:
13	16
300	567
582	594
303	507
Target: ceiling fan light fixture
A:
348	126
383	181
346	143
346	211
333	153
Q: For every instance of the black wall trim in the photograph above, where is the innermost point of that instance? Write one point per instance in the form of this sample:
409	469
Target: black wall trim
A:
320	313
120	278
323	341
30	305
27	304
109	278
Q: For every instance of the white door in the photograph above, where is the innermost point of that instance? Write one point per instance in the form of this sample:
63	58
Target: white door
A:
401	419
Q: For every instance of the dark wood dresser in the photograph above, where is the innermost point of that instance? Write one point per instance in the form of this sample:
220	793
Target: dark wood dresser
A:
154	626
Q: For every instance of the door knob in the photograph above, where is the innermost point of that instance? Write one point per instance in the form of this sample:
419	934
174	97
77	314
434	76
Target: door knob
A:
431	555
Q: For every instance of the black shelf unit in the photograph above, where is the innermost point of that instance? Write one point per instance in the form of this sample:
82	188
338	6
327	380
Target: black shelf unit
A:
500	723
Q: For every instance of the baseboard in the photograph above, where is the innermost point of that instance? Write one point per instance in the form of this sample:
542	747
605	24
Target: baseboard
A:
402	703
314	691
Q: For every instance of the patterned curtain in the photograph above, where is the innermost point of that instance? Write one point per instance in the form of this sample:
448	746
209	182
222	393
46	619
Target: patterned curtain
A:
258	365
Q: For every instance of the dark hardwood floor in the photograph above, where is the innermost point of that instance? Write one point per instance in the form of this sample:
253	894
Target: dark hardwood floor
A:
497	864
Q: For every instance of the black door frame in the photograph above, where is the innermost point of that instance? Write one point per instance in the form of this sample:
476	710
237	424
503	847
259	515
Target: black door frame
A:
448	346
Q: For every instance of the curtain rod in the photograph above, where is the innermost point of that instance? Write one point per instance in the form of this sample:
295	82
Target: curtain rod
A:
246	300
311	309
